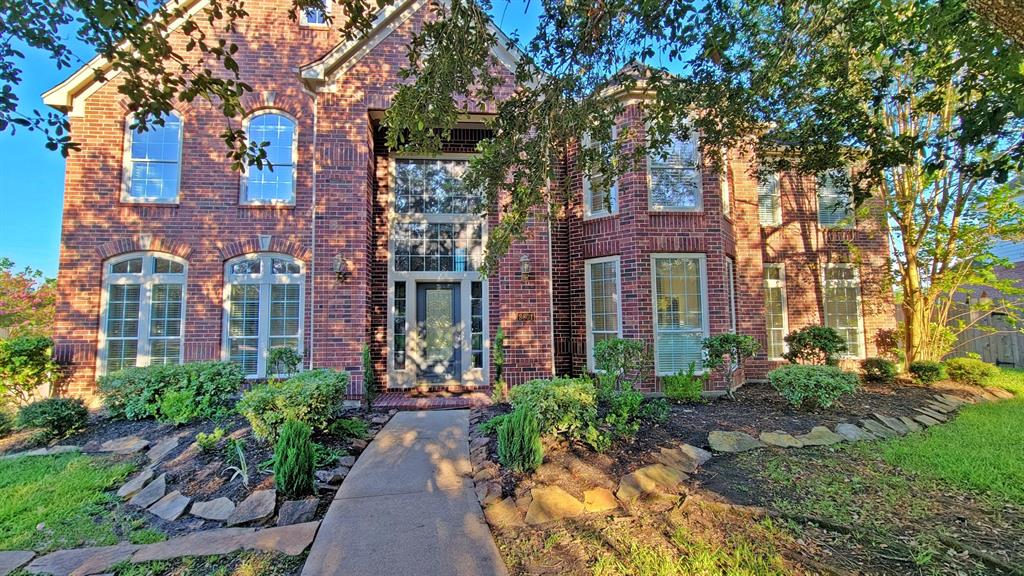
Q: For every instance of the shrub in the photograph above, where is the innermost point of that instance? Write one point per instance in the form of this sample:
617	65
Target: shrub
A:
138	393
498	357
879	370
622	363
349	428
491	427
25	365
926	371
6	422
312	397
519	446
369	377
178	407
283	360
737	347
888	342
207	443
815	345
294	462
970	371
58	417
561	405
815	386
684	386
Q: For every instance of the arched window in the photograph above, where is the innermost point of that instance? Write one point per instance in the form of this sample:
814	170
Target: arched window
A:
263	309
143	307
274	182
153	162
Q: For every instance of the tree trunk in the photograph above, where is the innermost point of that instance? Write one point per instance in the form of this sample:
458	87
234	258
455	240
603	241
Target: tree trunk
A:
915	312
1006	15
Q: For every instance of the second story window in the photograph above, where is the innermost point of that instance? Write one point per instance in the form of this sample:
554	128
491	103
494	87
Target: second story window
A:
315	16
834	200
153	163
673	175
600	197
274	182
769	201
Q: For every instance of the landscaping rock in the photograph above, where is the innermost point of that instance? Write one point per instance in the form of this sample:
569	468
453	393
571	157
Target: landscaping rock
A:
698	454
11	561
257	507
347	461
551	503
653	479
206	543
954	401
486	473
940	407
599	500
297	511
359	444
877	429
853	433
938	416
722	441
219	509
780	438
894	424
677	458
503	514
480	442
333	476
35	452
124	445
910	424
488	492
137	483
926	420
820	436
291	540
162	449
170	507
153	491
380	419
82	561
1000	393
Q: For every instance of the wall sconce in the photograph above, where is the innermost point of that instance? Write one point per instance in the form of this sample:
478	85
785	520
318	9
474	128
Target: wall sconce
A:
524	267
341	268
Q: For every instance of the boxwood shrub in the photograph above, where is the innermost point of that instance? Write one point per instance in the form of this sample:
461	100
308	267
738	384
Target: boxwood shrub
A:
812	385
879	371
313	397
57	417
562	405
926	371
172	393
970	371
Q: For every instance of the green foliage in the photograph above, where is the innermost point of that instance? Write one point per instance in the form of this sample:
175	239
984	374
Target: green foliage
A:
58	417
324	456
283	360
812	385
294	462
970	371
926	371
349	428
313	397
490	428
138	393
6	422
519	446
888	342
207	443
814	345
623	363
684	386
234	453
369	377
879	371
26	364
498	357
728	351
561	405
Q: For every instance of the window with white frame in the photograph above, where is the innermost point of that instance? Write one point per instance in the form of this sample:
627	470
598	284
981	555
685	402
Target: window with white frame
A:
680	304
730	277
143	311
776	322
769	201
841	296
673	175
600	197
153	162
834	200
274	181
604	311
316	16
263	309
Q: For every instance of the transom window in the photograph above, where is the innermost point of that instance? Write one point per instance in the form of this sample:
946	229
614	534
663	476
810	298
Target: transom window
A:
776	322
680	323
274	182
263	309
143	311
438	247
600	197
674	175
834	200
153	163
841	296
434	186
604	310
769	201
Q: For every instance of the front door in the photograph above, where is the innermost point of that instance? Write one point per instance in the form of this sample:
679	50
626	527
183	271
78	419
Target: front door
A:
438	318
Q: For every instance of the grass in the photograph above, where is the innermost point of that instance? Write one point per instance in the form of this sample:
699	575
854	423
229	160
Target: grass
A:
237	564
1011	379
66	494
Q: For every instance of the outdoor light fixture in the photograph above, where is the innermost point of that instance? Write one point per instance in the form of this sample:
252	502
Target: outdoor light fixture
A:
341	268
524	267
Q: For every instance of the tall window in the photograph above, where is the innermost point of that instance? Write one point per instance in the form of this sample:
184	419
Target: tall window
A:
153	163
263	310
841	295
776	323
274	182
600	197
674	175
316	17
604	312
769	201
834	201
680	322
730	277
143	311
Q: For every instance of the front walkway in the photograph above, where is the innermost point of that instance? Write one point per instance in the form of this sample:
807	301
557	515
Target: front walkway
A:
408	506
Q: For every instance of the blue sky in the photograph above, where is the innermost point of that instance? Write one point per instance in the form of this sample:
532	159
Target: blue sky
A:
32	177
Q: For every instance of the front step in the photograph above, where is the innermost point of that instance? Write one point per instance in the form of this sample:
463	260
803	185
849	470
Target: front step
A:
409	400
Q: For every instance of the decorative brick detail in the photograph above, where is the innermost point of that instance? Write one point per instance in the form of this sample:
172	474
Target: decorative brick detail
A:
278	244
142	243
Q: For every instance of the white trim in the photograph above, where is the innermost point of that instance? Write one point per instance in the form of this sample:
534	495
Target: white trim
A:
588	201
781	285
304	20
702	260
146	279
127	163
777	199
652	207
854	283
730	278
849	219
243	188
589	304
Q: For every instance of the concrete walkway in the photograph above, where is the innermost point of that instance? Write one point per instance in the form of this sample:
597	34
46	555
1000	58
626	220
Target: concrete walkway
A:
408	507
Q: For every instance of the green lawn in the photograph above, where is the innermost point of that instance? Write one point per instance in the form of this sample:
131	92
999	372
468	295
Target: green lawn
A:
67	494
1010	379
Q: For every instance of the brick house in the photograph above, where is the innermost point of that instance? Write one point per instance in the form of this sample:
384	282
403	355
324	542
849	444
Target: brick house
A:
168	255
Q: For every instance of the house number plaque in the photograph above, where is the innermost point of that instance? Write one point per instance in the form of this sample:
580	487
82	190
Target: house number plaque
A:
524	317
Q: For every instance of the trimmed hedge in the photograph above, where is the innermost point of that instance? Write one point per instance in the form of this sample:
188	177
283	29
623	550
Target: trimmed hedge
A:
58	417
562	405
970	371
879	370
313	397
172	392
926	371
812	385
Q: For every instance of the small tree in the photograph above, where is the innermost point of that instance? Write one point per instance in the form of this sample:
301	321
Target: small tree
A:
815	345
729	351
26	366
498	358
369	378
623	363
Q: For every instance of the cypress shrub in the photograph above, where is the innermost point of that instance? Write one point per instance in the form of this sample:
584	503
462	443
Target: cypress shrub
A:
519	446
294	460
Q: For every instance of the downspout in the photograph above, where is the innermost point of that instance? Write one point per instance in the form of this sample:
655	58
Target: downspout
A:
312	266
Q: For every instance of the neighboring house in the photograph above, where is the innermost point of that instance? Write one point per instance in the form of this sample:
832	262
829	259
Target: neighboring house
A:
168	255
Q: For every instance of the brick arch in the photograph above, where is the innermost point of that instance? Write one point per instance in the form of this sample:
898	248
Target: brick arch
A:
184	109
144	243
256	244
271	100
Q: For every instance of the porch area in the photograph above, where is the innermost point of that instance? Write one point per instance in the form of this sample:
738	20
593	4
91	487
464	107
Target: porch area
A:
433	400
